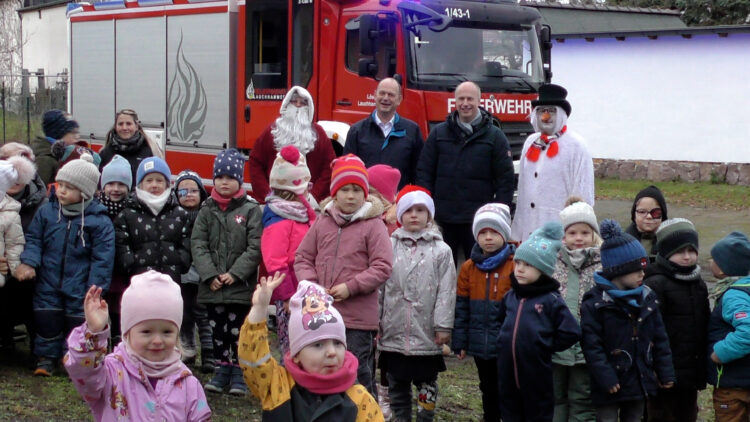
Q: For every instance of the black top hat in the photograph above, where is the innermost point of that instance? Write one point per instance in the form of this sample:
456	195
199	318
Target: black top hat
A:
553	95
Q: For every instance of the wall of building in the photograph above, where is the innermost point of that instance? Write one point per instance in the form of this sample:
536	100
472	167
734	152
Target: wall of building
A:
45	46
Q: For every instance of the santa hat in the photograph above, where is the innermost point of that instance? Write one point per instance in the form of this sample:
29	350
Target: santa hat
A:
411	195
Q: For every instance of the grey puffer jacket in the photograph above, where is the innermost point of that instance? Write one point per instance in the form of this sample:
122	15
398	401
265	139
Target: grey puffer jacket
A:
420	296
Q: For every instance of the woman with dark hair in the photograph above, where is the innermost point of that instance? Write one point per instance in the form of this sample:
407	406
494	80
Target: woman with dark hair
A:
128	139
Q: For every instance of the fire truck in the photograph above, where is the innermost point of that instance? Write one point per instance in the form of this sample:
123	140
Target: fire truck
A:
205	75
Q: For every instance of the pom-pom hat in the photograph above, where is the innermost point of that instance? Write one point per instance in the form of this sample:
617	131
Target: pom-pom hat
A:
289	171
57	123
15	170
346	170
621	253
541	248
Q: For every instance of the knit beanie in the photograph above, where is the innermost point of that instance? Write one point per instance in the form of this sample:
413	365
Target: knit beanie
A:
191	175
66	153
118	170
348	169
385	179
732	254
541	248
57	123
15	170
82	174
412	195
230	162
152	165
289	171
675	234
151	295
492	216
650	192
579	212
621	253
313	317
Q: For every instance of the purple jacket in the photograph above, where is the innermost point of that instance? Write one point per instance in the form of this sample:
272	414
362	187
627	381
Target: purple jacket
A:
116	390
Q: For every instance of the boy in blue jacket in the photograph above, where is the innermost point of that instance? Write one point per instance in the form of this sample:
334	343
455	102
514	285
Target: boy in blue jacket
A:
729	329
624	340
70	246
534	323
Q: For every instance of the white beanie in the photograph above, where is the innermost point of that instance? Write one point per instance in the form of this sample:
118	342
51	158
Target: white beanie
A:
410	196
494	216
579	212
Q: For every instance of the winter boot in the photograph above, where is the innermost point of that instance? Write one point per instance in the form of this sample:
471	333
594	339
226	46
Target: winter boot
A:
238	387
45	367
220	379
384	401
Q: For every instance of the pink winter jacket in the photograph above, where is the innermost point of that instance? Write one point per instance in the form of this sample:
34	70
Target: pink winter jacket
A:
358	254
115	389
278	245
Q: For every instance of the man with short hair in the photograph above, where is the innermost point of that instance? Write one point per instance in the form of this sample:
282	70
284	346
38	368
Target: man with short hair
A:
293	127
465	163
384	137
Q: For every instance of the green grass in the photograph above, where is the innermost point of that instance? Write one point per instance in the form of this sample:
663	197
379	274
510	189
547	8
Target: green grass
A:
718	196
15	127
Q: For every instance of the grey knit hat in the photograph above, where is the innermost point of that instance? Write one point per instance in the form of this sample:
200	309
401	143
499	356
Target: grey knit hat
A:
82	174
579	212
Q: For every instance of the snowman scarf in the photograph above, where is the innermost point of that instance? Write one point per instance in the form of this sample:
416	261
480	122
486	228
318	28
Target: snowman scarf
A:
545	142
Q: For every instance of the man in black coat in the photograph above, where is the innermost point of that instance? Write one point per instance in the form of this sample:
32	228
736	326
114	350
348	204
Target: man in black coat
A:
465	163
384	137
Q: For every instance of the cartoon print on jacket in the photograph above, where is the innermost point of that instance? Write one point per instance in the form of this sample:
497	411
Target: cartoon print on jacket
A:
315	309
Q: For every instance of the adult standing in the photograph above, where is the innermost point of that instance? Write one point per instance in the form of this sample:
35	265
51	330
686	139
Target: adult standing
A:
295	127
127	138
555	164
466	162
384	137
57	126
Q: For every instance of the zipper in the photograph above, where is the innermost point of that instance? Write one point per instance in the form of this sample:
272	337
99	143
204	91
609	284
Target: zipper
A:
335	254
64	253
486	314
513	342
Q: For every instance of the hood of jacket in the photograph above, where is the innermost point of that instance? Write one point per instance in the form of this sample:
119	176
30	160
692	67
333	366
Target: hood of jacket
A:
33	194
428	234
376	208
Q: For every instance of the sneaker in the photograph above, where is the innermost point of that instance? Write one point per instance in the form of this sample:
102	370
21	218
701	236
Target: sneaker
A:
384	401
237	387
220	380
44	367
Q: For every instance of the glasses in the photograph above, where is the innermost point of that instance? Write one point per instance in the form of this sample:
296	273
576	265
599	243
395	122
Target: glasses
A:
185	192
654	213
550	110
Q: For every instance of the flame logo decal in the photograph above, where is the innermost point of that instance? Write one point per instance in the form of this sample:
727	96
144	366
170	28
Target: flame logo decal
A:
187	101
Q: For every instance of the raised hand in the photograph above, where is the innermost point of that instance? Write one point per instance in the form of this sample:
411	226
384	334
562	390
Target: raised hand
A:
266	286
96	310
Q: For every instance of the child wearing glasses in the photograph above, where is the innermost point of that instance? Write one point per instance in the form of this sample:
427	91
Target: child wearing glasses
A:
648	211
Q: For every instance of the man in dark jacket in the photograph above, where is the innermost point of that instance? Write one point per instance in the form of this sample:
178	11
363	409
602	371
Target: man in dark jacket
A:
385	137
465	163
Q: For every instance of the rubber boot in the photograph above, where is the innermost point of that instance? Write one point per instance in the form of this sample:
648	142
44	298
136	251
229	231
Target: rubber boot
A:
237	387
220	379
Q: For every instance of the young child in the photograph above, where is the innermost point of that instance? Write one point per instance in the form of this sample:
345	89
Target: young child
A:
576	263
191	194
143	379
384	181
13	171
319	376
675	277
648	211
534	323
348	252
70	246
226	253
728	339
624	340
416	307
482	283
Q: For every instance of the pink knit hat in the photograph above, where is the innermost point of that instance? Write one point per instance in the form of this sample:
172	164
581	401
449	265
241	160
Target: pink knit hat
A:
385	179
348	169
151	295
313	317
289	171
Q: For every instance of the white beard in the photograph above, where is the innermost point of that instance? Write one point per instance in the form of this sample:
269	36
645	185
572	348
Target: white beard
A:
293	128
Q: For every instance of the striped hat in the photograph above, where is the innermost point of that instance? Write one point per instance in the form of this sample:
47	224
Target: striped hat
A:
348	169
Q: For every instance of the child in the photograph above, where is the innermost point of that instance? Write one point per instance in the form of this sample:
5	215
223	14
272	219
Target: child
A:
675	277
13	171
534	323
226	253
624	340
482	283
191	194
70	246
649	210
416	307
143	379
319	375
729	366
348	252
152	230
576	263
286	219
384	181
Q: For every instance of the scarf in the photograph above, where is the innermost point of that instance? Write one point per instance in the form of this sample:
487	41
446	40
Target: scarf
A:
74	210
492	261
630	297
223	201
578	257
545	142
721	286
291	210
155	203
679	272
127	145
337	382
543	284
168	366
113	208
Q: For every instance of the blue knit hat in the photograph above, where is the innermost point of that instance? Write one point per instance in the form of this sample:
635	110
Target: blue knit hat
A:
57	123
188	174
230	163
118	170
732	254
152	165
540	249
621	253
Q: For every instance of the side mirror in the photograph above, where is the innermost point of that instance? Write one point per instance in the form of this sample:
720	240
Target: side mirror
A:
367	67
368	34
545	44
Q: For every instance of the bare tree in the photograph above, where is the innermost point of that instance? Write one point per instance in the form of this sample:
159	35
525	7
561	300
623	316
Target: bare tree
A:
12	43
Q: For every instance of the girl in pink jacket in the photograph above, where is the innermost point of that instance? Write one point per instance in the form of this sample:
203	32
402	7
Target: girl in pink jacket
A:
144	378
287	217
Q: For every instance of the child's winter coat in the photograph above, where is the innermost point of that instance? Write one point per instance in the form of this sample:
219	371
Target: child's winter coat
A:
624	345
115	388
283	400
728	337
420	296
11	231
482	284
